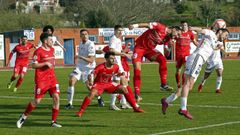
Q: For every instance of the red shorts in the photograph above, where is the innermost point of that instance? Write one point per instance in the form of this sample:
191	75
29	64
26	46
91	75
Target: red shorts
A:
42	87
139	53
181	60
20	69
108	87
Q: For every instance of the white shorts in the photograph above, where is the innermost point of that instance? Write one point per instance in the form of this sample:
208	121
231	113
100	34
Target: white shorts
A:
213	64
81	74
194	65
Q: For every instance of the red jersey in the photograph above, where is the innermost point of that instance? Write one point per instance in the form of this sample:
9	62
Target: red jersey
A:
23	52
104	74
123	58
156	35
44	74
183	43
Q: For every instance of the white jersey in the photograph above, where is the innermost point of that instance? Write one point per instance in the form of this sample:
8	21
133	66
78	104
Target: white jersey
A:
86	49
216	56
207	45
116	44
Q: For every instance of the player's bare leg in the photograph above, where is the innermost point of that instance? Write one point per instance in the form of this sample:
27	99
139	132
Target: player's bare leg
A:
204	78
13	78
158	57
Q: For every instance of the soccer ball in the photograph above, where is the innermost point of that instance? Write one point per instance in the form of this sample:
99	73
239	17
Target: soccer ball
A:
218	24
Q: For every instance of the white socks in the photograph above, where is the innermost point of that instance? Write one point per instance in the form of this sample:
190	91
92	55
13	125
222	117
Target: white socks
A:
171	98
123	100
70	94
218	82
183	103
113	99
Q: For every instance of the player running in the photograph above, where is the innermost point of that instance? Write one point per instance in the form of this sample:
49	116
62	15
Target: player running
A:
21	64
45	80
86	63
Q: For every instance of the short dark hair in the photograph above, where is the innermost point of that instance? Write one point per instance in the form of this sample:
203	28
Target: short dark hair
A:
108	54
44	36
116	27
175	27
82	30
45	28
184	22
24	36
223	30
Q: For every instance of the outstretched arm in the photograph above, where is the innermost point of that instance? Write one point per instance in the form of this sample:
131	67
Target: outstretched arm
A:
139	25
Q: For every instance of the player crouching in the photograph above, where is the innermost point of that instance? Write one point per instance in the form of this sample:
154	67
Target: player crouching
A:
101	80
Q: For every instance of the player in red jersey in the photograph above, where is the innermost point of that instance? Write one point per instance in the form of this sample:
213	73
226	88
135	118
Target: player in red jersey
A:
157	34
126	68
45	80
21	64
101	80
183	41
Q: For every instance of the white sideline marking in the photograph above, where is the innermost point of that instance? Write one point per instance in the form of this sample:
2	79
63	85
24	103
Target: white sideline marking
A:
196	128
152	104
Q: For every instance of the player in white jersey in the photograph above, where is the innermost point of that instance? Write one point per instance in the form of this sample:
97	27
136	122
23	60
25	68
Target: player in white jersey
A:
49	29
214	62
115	45
86	63
210	42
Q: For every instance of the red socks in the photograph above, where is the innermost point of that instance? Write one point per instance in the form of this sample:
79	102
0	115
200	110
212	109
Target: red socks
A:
137	81
162	68
19	82
130	98
13	78
54	114
85	103
29	109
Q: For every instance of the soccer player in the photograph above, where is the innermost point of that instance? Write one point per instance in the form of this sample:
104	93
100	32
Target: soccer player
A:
49	29
45	80
183	39
183	50
21	64
86	63
145	46
126	68
115	45
214	62
210	42
101	80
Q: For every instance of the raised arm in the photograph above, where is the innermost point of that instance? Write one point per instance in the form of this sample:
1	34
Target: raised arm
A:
139	25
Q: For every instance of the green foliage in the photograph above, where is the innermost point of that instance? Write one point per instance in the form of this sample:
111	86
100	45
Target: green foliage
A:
9	20
99	18
107	13
181	8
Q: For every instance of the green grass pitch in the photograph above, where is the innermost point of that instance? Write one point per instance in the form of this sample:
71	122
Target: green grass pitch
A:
214	114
